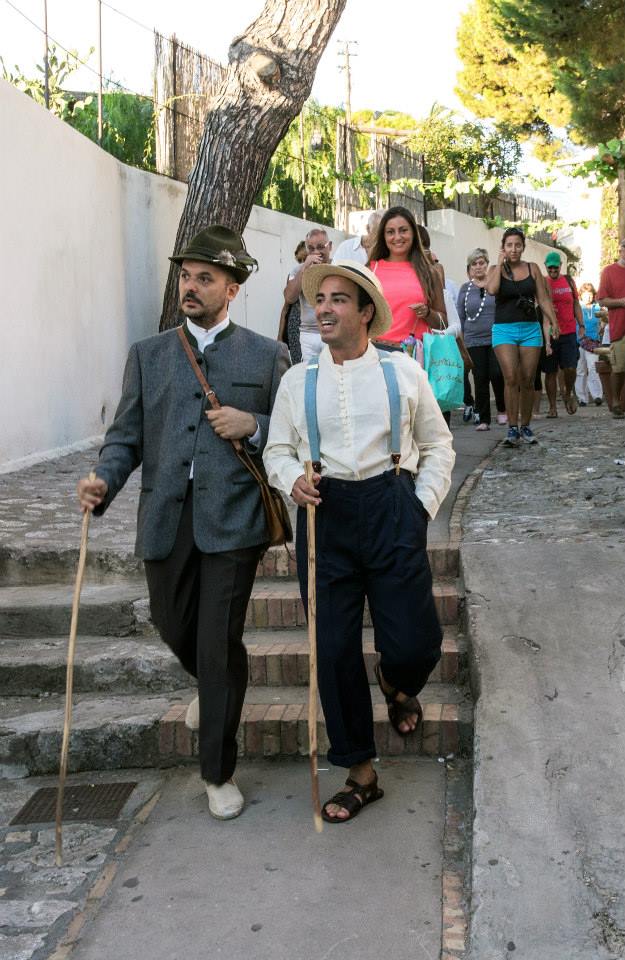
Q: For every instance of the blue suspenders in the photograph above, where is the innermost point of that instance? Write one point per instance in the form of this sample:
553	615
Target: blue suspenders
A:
310	406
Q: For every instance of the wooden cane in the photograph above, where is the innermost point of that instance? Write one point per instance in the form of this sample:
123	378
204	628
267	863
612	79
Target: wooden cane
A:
312	645
69	682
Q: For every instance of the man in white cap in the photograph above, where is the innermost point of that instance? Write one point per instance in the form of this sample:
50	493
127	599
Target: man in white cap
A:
382	458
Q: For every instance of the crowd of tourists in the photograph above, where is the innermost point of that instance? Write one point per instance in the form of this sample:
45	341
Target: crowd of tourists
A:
521	333
382	348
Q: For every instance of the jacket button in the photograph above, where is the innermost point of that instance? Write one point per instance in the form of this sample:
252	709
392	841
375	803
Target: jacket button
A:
200	360
198	394
179	499
191	428
186	463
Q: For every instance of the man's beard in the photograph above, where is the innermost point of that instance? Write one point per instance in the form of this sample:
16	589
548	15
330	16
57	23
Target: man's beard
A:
208	316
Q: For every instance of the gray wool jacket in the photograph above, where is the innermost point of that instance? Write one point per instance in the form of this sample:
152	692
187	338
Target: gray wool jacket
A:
160	423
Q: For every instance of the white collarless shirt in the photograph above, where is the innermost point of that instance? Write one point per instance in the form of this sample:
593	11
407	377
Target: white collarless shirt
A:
355	425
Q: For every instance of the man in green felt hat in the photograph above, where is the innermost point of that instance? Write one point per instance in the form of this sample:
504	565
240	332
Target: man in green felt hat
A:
201	527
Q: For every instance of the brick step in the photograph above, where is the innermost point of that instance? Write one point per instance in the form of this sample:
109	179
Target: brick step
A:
34	566
281	658
277	563
276	605
108	732
117	608
120	607
37	566
278	726
147	730
117	665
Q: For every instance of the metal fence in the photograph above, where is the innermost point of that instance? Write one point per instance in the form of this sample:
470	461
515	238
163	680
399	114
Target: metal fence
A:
185	81
391	163
387	161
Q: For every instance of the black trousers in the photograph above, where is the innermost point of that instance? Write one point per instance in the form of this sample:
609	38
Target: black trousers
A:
198	603
486	371
371	542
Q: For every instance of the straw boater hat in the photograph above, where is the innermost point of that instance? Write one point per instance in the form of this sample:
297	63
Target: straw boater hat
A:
358	274
221	246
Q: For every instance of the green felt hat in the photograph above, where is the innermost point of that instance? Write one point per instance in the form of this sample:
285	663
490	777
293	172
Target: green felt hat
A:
223	247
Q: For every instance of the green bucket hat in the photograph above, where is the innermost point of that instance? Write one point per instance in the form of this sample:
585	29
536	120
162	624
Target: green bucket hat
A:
553	259
221	246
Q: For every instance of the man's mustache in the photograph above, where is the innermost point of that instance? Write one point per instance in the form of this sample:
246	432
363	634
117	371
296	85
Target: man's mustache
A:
192	299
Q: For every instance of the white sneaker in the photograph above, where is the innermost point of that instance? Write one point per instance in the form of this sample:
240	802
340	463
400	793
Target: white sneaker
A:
192	719
225	801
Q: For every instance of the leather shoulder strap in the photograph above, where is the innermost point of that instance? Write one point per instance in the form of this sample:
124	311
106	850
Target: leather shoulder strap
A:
211	396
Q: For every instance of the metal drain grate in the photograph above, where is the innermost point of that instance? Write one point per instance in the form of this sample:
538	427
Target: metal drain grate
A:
85	801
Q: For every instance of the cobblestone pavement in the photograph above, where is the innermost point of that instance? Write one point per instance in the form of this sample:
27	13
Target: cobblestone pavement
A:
568	486
36	896
39	509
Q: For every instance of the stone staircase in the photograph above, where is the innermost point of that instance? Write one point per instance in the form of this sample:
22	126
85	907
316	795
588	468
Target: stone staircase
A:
130	695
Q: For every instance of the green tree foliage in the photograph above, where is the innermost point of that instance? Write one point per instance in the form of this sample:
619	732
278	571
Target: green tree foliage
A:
585	46
127	127
451	147
128	122
514	88
282	185
609	225
61	65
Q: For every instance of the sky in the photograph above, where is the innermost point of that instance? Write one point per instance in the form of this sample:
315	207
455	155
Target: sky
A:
405	50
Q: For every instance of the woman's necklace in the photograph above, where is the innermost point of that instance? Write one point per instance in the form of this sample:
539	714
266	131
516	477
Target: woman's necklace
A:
466	300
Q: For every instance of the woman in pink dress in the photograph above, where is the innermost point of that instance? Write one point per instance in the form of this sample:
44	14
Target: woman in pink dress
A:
411	285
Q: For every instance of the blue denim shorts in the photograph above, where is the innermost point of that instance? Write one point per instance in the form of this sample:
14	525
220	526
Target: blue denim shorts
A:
520	334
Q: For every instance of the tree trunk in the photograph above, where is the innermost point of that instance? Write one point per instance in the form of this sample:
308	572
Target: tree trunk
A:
269	77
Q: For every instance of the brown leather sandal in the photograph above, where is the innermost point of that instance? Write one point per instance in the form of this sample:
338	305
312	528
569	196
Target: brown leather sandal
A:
353	800
399	710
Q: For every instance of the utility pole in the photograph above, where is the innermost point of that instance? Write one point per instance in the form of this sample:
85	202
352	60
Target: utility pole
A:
100	124
46	62
346	53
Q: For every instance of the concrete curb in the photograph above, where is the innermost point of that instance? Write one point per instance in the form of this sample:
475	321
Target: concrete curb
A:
456	874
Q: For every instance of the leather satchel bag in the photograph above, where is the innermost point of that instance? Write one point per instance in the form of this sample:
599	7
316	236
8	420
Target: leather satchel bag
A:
276	513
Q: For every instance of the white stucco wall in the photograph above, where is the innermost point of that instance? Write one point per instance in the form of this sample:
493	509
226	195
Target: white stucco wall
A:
83	247
454	235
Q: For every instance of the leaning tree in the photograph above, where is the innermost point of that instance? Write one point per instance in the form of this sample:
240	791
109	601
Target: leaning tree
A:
270	73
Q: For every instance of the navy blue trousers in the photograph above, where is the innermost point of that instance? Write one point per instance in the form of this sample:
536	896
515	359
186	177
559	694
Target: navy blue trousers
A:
371	540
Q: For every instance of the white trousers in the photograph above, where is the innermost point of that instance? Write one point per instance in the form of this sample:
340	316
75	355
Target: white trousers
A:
587	383
311	344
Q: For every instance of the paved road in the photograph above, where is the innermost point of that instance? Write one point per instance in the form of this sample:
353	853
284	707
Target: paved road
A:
544	569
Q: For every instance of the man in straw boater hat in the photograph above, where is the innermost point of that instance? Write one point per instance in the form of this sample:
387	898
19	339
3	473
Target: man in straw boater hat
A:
383	466
201	527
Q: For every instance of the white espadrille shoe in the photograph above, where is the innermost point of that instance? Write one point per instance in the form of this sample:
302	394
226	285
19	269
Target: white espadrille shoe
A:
225	802
192	718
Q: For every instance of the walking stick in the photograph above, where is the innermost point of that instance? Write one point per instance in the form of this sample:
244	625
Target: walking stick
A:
69	682
312	643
